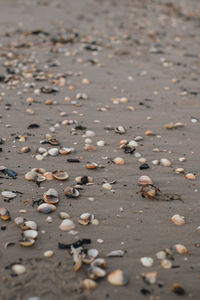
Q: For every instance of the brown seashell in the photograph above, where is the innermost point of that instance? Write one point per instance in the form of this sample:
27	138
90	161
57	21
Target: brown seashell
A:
91	165
89	284
25	149
51	196
178	220
90	148
4	214
190	176
26	242
144	180
181	249
48	175
60	175
118	278
119	161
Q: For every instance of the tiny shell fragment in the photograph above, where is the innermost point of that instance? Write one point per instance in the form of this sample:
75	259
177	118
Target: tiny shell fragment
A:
178	220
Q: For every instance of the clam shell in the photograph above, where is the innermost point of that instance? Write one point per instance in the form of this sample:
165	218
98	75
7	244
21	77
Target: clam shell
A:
144	179
107	186
30	234
30	225
19	269
165	162
4	214
19	221
147	261
48	176
178	220
90	133
64	215
93	253
48	253
67	225
116	253
118	278
161	255
149	278
26	242
51	196
46	208
96	272
119	161
60	175
9	195
133	144
99	262
71	192
166	264
120	130
65	151
91	165
100	143
181	249
89	284
53	151
190	176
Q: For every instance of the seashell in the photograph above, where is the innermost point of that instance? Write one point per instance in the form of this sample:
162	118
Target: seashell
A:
41	150
71	192
118	278
149	278
25	149
95	222
149	132
19	221
60	175
179	170
26	242
93	253
65	151
46	208
67	225
178	220
119	161
88	141
77	260
84	179
30	225
120	130
155	162
64	215
138	138
40	178
147	261
48	253
48	176
89	284
144	180
90	148
116	253
90	133
149	191
9	195
142	160
39	157
182	159
99	262
197	229
133	144
19	269
30	234
165	162
161	255
39	170
49	219
91	165
51	196
53	151
178	289
100	143
181	249
166	264
30	175
107	186
190	176
4	214
96	272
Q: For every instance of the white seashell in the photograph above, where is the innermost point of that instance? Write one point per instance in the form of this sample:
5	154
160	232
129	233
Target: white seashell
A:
165	162
90	133
147	261
30	175
133	144
118	278
19	221
161	255
107	186
30	234
197	229
19	269
181	249
89	284
96	272
51	196
67	225
120	129
100	143
144	180
138	138
88	141
166	264
48	253
182	159
85	216
137	155
116	253
119	161
46	208
93	253
190	176
39	157
142	160
64	215
53	151
155	162
9	195
49	219
42	150
179	170
178	220
30	225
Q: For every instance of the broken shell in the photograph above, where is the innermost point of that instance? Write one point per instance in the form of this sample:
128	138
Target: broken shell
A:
48	176
119	161
107	186
99	262
100	143
19	269
166	264
147	261
9	195
19	221
178	220
179	170
181	249
64	215
96	272
118	278
190	176
149	278
65	151
143	180
149	191
91	165
89	284
46	208
53	151
155	162
26	242
25	149
30	234
120	130
71	192
4	214
133	144
84	179
116	253
67	225
51	196
93	253
48	253
60	175
165	162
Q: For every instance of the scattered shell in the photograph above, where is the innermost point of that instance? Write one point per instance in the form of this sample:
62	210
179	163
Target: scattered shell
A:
30	234
165	162
118	278
4	214
67	225
161	255
147	261
166	264
19	269
178	220
51	196
181	249
149	278
26	242
9	195
84	179
93	253
91	165
116	253
71	192
53	151
63	215
107	186
182	159
144	180
155	162
96	272
48	176
89	284
100	143
25	149
133	144
90	133
65	151
30	225
190	176
19	221
48	253
119	161
179	170
120	129
60	175
99	262
46	208
86	218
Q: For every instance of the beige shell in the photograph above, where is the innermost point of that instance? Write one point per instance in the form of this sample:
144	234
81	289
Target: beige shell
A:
166	264
51	196
144	179
118	278
46	208
89	284
181	249
4	214
119	161
60	175
67	225
190	176
91	165
96	272
30	234
178	220
19	269
26	242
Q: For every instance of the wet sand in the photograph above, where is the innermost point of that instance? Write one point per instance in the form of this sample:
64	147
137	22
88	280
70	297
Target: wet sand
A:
145	51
